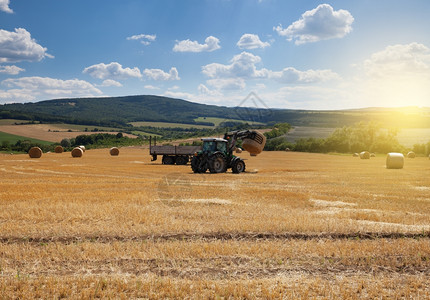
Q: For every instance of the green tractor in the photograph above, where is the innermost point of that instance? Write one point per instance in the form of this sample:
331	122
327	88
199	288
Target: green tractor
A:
217	154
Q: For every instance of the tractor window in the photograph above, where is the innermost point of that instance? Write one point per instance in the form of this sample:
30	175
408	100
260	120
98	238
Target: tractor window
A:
221	146
208	146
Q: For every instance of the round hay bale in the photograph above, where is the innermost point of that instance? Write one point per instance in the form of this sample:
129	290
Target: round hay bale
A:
365	155
238	150
77	152
35	152
59	149
355	155
372	155
411	154
395	160
114	151
287	149
82	147
255	145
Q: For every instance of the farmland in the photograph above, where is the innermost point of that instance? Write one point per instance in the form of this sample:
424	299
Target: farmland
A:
294	225
51	132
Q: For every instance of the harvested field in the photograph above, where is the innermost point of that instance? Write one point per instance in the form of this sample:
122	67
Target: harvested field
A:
48	132
295	225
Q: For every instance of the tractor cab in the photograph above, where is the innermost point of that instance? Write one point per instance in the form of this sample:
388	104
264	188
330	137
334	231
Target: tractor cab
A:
211	145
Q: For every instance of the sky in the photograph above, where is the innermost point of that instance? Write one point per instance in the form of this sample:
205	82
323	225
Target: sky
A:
288	54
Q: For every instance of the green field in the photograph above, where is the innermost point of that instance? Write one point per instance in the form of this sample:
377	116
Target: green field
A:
218	121
169	125
12	139
407	137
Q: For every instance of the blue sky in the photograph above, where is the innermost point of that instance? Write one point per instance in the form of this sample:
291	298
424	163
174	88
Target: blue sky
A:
292	54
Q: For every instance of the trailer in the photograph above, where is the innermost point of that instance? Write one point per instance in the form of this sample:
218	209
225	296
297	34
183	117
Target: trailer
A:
179	155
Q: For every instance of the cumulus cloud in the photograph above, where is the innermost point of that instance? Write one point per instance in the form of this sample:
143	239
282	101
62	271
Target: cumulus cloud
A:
4	6
11	70
242	65
251	41
211	44
403	60
38	88
227	83
110	82
19	46
112	70
144	39
294	76
158	74
321	23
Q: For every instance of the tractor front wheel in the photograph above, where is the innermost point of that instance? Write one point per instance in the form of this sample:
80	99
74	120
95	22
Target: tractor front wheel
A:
238	166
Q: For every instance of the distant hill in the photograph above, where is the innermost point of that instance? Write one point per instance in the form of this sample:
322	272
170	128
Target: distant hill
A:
122	110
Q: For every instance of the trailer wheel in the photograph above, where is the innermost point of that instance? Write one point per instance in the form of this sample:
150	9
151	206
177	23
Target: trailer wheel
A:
168	160
181	160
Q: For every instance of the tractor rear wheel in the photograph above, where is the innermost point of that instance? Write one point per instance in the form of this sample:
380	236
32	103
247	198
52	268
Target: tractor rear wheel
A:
196	165
238	166
217	164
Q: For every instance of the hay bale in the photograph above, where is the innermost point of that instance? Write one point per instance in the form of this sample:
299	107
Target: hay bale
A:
395	160
372	155
287	149
114	151
35	152
59	149
365	155
255	145
82	147
355	155
77	152
238	150
411	154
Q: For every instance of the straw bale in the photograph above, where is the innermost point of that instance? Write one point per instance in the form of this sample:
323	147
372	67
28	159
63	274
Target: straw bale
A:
114	151
59	149
365	155
77	152
256	145
411	154
35	152
82	147
395	160
355	155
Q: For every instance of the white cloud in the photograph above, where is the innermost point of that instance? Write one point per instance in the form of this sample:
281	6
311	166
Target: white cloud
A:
4	6
110	82
251	41
321	23
145	39
400	60
112	70
241	65
11	70
151	87
211	44
227	83
39	88
19	46
158	74
294	76
179	95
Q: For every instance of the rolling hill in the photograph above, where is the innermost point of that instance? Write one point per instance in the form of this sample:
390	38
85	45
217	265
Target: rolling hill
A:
149	108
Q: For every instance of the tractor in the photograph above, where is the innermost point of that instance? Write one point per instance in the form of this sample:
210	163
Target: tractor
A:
217	154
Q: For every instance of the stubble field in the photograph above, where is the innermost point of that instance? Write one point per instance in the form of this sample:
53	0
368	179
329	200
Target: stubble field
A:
294	225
